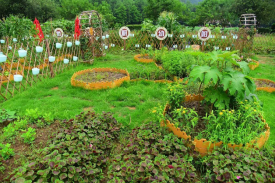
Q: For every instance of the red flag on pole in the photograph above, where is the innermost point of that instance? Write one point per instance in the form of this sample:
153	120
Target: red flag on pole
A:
38	27
77	28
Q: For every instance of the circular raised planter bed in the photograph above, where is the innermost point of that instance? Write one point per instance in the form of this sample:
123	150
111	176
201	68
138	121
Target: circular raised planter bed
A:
265	85
143	59
203	146
99	78
254	66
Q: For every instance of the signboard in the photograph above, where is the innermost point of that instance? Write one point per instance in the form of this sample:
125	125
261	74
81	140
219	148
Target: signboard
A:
58	33
161	33
124	32
204	33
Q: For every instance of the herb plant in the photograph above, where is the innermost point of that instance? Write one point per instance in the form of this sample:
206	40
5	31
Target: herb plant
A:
226	165
5	151
7	115
29	136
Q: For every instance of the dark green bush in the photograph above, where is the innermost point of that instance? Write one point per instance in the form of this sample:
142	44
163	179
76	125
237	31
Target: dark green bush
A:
178	63
18	27
264	30
134	27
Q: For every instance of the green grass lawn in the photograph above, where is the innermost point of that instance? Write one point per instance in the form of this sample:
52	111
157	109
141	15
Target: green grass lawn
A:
130	103
266	70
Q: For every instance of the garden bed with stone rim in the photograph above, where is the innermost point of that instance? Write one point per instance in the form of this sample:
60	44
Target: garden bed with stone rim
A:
143	58
254	65
265	85
203	146
117	78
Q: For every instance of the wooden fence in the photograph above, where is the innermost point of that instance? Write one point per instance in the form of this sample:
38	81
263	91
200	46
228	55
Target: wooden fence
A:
35	61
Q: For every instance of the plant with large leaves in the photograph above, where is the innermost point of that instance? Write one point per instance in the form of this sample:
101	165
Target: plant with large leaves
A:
224	83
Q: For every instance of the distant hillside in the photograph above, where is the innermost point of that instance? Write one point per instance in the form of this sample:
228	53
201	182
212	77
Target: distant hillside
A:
192	1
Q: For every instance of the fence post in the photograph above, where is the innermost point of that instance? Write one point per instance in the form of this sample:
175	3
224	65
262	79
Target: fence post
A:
49	54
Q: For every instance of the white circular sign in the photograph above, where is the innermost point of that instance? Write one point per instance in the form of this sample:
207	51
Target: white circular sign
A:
124	32
58	33
161	33
204	33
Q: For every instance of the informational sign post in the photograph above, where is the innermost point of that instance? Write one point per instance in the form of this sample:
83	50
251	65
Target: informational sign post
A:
204	34
58	33
161	34
124	33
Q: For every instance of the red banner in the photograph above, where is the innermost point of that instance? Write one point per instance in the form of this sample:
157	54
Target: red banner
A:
77	28
38	27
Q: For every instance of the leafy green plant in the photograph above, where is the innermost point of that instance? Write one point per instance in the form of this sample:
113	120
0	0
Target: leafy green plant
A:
226	165
223	84
151	154
7	115
18	27
158	54
32	115
177	63
77	152
175	95
5	151
29	136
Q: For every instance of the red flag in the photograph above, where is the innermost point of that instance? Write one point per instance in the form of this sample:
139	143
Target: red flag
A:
38	27
77	28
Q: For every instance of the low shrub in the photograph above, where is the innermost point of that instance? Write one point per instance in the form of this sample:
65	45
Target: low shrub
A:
178	63
7	115
77	152
226	165
5	151
152	154
29	136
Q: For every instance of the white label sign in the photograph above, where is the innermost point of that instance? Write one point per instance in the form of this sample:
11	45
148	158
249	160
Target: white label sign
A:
161	33
124	32
58	33
204	33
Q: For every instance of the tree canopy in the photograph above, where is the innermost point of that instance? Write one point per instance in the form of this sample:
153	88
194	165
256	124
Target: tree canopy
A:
123	12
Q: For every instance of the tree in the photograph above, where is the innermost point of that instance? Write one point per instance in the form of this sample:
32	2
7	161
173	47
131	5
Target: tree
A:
15	7
155	7
41	9
134	15
264	9
121	14
71	8
213	11
105	9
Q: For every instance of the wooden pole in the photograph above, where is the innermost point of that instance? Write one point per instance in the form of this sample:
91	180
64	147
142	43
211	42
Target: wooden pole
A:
124	44
160	44
49	54
202	46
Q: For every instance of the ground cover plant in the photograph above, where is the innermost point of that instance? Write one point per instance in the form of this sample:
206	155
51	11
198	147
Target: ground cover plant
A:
95	147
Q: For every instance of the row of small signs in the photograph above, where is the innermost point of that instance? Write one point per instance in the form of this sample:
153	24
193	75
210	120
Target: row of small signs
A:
161	33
